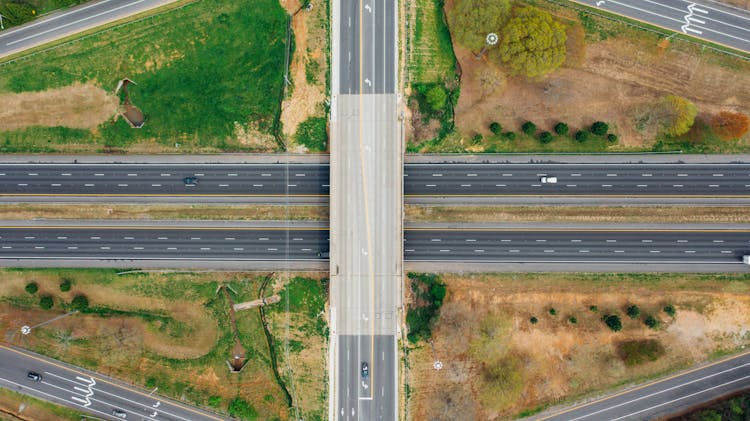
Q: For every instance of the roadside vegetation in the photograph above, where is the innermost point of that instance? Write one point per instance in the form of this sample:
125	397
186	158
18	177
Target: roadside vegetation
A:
18	12
174	331
160	212
561	79
732	408
15	406
208	78
513	343
577	214
427	295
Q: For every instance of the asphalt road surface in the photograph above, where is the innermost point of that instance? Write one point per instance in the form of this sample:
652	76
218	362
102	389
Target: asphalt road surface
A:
88	392
366	198
552	245
711	21
664	397
67	22
420	180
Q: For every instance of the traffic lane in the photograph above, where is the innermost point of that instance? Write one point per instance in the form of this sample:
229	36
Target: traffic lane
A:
349	382
371	398
84	391
714	23
70	21
155	179
668	396
572	245
378	46
161	243
349	45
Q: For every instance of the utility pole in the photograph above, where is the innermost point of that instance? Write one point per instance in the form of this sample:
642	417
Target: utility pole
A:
489	41
27	329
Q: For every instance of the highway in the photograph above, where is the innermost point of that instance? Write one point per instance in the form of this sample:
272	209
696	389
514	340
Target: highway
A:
659	399
159	181
87	391
67	22
548	244
711	21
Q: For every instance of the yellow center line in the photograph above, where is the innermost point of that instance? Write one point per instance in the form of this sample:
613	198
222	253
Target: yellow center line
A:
101	380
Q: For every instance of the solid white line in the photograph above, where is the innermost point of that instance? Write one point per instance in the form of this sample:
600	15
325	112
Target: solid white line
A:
61	15
74	22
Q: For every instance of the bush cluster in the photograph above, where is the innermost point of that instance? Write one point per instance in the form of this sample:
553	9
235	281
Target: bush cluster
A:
32	287
430	290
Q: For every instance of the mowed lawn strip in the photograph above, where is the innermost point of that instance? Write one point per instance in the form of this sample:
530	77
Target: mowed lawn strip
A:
208	76
23	407
583	214
431	56
161	212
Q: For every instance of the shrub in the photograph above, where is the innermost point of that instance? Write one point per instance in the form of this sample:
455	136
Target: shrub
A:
496	128
545	137
477	138
639	351
420	319
594	308
552	312
65	285
312	134
510	135
533	320
151	382
651	322
80	302
529	128
633	311
613	322
240	408
32	287
436	98
669	309
214	401
561	128
599	128
612	137
46	302
729	125
573	319
582	136
676	115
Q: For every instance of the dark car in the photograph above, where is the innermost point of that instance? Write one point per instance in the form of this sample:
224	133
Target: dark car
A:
33	375
365	370
119	413
190	181
325	254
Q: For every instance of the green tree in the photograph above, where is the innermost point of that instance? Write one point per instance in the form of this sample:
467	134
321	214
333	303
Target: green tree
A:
561	128
46	302
552	312
529	128
532	43
599	128
65	285
676	115
613	322
594	308
573	319
582	136
436	98
633	311
496	128
510	135
612	137
545	137
240	408
32	287
533	320
669	309
80	302
471	20
651	322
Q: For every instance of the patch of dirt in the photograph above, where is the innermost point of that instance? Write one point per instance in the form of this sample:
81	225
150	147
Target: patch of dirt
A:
561	359
310	41
617	76
80	106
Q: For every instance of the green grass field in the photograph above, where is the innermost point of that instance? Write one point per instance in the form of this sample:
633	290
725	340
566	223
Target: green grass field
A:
200	70
431	58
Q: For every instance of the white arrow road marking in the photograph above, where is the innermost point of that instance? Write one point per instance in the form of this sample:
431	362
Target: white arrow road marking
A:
156	405
600	2
368	82
689	19
85	402
154	414
368	8
90	381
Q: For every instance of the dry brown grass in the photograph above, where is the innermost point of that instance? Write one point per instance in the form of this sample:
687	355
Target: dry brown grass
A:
587	214
310	40
78	106
157	212
560	360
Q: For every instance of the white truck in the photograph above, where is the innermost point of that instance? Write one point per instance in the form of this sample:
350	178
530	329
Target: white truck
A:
746	259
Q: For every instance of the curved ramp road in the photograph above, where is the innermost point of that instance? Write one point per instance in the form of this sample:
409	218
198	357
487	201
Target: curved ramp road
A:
420	180
548	245
64	23
708	20
87	391
664	397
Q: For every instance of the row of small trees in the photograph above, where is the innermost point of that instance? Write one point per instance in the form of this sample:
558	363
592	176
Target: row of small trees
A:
599	128
80	302
613	321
